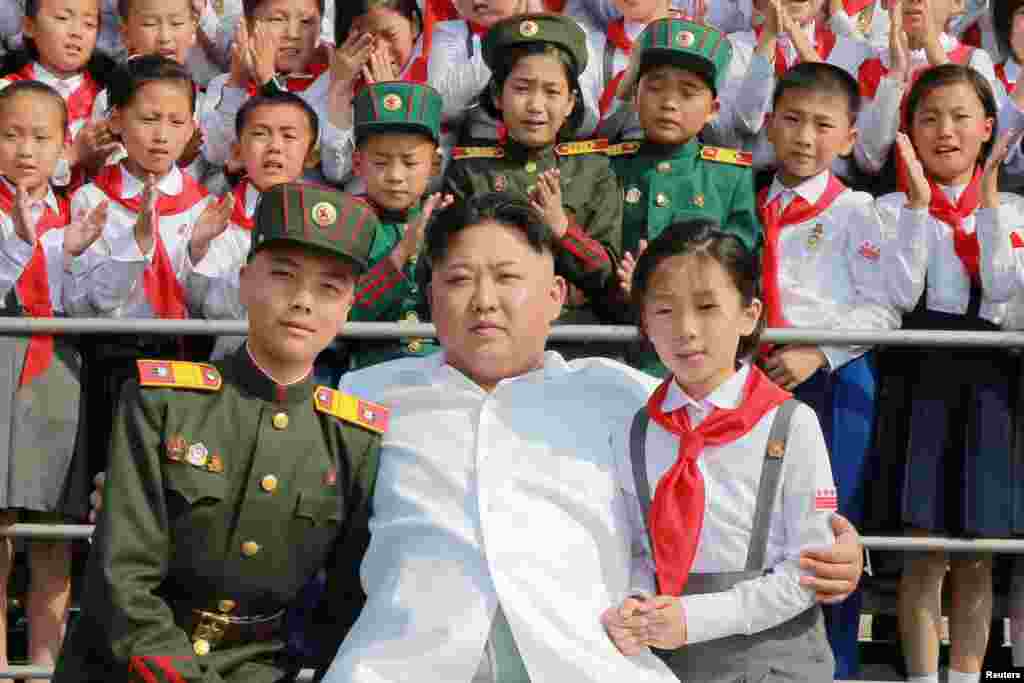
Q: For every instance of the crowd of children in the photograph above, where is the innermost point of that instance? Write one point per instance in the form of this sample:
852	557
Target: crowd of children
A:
854	150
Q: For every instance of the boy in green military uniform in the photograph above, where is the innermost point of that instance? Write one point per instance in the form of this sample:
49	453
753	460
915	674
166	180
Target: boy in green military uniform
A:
674	77
536	61
397	130
230	486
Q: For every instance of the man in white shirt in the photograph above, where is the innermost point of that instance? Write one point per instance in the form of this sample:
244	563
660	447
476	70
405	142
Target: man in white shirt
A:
499	535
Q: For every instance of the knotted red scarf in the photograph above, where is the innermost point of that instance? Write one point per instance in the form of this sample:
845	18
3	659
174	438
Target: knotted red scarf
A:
618	37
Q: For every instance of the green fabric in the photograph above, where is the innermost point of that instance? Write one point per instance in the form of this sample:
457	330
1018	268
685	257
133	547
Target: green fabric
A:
508	663
317	217
525	29
398	106
695	47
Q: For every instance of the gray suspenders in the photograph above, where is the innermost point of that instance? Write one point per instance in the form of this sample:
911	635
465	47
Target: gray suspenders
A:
767	492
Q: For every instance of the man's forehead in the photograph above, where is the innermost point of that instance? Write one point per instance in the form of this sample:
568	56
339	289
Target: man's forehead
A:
306	259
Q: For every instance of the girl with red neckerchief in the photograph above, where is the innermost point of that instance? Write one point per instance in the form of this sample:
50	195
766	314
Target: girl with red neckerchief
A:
40	387
159	225
951	265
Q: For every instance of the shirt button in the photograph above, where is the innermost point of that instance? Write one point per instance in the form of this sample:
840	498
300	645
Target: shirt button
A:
269	483
201	647
531	167
280	421
250	548
226	606
661	199
664	167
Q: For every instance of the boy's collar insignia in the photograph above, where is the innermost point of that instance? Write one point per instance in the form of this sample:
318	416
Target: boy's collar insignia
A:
633	195
698	200
528	29
324	214
500	183
392	102
685	38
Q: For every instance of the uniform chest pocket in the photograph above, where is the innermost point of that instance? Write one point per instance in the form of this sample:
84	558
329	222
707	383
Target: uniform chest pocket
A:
319	508
193	484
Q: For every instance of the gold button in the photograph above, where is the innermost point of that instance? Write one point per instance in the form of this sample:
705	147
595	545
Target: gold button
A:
226	606
531	167
664	167
201	647
269	483
415	346
411	317
661	199
250	548
530	189
280	421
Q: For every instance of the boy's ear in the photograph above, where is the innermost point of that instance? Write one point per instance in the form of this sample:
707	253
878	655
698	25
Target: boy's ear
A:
436	162
850	141
716	108
312	157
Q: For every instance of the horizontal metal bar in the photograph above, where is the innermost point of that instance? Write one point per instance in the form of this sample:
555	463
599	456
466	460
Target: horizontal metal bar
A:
613	334
48	531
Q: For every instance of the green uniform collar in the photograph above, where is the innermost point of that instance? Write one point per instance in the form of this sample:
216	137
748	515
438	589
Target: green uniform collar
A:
391	216
515	151
253	380
686	151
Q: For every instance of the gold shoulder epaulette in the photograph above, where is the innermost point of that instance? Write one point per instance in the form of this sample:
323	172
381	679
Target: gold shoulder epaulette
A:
568	149
477	153
622	149
178	374
725	155
346	407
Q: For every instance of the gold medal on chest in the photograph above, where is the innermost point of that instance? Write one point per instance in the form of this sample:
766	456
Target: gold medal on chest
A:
817	233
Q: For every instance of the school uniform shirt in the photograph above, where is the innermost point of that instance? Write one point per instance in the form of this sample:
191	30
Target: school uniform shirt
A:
109	279
725	15
919	245
519	511
15	253
800	518
830	270
866	20
609	51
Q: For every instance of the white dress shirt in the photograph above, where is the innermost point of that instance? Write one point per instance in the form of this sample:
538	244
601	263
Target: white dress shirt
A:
507	497
596	80
731	475
15	253
918	245
106	280
726	15
831	272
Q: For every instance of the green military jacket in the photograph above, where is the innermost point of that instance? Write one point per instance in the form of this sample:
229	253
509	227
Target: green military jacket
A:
226	492
589	251
384	294
663	185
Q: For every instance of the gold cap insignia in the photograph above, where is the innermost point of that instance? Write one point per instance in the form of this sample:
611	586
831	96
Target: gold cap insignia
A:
392	102
528	28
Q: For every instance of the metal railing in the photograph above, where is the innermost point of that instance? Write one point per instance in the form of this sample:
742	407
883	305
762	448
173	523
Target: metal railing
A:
598	334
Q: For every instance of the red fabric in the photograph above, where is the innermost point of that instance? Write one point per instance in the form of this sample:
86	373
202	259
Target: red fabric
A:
417	72
869	76
163	291
797	211
238	216
477	29
972	36
618	37
855	7
677	511
966	245
824	41
1001	74
33	286
81	100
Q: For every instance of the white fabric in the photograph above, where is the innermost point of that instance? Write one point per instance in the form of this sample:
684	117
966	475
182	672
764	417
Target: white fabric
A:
504	497
731	474
214	282
106	281
727	15
15	253
877	34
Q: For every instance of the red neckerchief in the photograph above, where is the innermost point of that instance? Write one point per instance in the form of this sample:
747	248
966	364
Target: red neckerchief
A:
1001	75
966	246
33	286
972	36
796	212
238	215
855	7
163	291
824	41
79	102
477	29
677	511
618	37
298	83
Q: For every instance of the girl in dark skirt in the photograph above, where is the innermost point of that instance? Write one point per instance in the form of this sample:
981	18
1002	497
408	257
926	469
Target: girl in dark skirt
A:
952	268
40	385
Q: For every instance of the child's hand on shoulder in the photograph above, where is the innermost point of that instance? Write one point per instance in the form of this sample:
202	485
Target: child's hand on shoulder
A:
791	366
547	199
626	267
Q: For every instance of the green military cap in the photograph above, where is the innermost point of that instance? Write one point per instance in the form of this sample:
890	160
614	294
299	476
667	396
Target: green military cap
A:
693	46
398	106
524	29
317	217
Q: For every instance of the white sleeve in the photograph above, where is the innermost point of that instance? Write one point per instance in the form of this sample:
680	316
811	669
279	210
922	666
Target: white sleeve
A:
752	100
769	600
11	17
982	63
75	283
878	123
451	72
212	286
904	250
997	265
15	253
337	147
217	119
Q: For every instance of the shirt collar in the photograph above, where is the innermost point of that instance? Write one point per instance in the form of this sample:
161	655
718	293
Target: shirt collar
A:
441	371
809	30
953	192
252	198
170	185
810	189
727	395
65	86
50	199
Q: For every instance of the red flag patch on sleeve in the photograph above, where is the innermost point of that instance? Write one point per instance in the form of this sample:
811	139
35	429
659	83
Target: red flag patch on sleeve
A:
1016	241
826	500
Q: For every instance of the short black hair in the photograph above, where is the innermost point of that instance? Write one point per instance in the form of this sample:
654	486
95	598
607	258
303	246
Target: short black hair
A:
704	237
1002	22
950	74
124	8
347	11
820	77
277	99
249	7
140	71
510	58
36	88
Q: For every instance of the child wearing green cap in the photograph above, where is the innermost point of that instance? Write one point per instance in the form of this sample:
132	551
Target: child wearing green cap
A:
536	61
673	80
397	132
